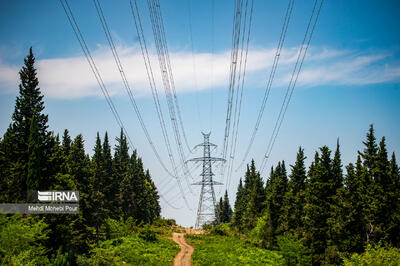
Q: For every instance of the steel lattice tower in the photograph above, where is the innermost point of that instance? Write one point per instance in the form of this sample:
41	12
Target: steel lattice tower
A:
206	209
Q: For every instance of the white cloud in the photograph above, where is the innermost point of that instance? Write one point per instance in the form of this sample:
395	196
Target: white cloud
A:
69	78
8	77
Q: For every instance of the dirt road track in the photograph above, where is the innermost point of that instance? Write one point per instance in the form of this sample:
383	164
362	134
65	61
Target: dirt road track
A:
183	257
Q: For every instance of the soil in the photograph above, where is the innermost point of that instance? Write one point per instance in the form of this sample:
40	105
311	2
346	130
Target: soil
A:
183	257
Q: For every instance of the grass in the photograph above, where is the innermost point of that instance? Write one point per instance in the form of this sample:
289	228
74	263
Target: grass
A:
134	250
229	250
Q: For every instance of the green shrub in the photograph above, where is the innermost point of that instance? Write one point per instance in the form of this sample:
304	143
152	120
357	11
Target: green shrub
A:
164	222
114	228
377	255
21	240
292	250
229	250
262	234
101	257
136	251
148	234
62	259
221	230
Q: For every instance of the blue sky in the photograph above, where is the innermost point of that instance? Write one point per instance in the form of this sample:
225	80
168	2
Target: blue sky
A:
350	77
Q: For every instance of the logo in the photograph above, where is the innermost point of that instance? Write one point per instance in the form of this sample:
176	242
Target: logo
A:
60	196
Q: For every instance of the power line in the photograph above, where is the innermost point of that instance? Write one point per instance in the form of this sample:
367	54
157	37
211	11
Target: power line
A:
156	7
93	67
270	79
97	75
170	204
167	77
125	82
241	28
129	91
292	83
232	76
240	84
150	76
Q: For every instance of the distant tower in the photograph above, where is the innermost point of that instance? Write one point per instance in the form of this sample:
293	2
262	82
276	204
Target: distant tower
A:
206	209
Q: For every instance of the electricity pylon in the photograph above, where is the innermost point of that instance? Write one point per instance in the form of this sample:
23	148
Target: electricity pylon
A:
206	209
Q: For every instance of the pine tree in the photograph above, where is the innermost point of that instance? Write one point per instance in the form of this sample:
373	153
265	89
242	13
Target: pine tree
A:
377	171
155	208
239	206
294	198
16	140
34	159
370	152
348	220
223	209
254	196
218	211
276	189
96	197
319	194
227	209
65	150
108	188
337	171
383	193
78	164
394	228
335	207
121	166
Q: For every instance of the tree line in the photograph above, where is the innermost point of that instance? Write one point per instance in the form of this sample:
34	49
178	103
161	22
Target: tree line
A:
112	183
333	212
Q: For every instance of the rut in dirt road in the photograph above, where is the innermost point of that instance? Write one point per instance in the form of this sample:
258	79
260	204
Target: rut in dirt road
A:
183	257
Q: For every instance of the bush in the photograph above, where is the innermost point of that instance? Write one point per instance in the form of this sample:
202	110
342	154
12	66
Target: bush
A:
164	222
375	255
148	234
229	250
292	250
62	259
221	230
21	240
262	235
99	256
132	250
114	228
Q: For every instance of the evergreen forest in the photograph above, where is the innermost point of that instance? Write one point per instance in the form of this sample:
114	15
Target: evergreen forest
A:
321	214
324	210
113	183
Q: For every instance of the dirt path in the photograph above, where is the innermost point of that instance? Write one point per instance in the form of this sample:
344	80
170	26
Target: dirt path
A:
183	257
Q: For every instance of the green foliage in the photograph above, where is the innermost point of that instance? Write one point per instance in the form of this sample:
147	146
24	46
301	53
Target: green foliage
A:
21	240
62	259
276	188
115	228
262	234
132	250
223	211
147	234
229	250
294	199
221	229
101	257
375	256
164	222
27	143
292	250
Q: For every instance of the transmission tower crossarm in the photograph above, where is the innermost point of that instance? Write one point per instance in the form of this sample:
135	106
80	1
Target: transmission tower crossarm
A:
212	159
207	183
